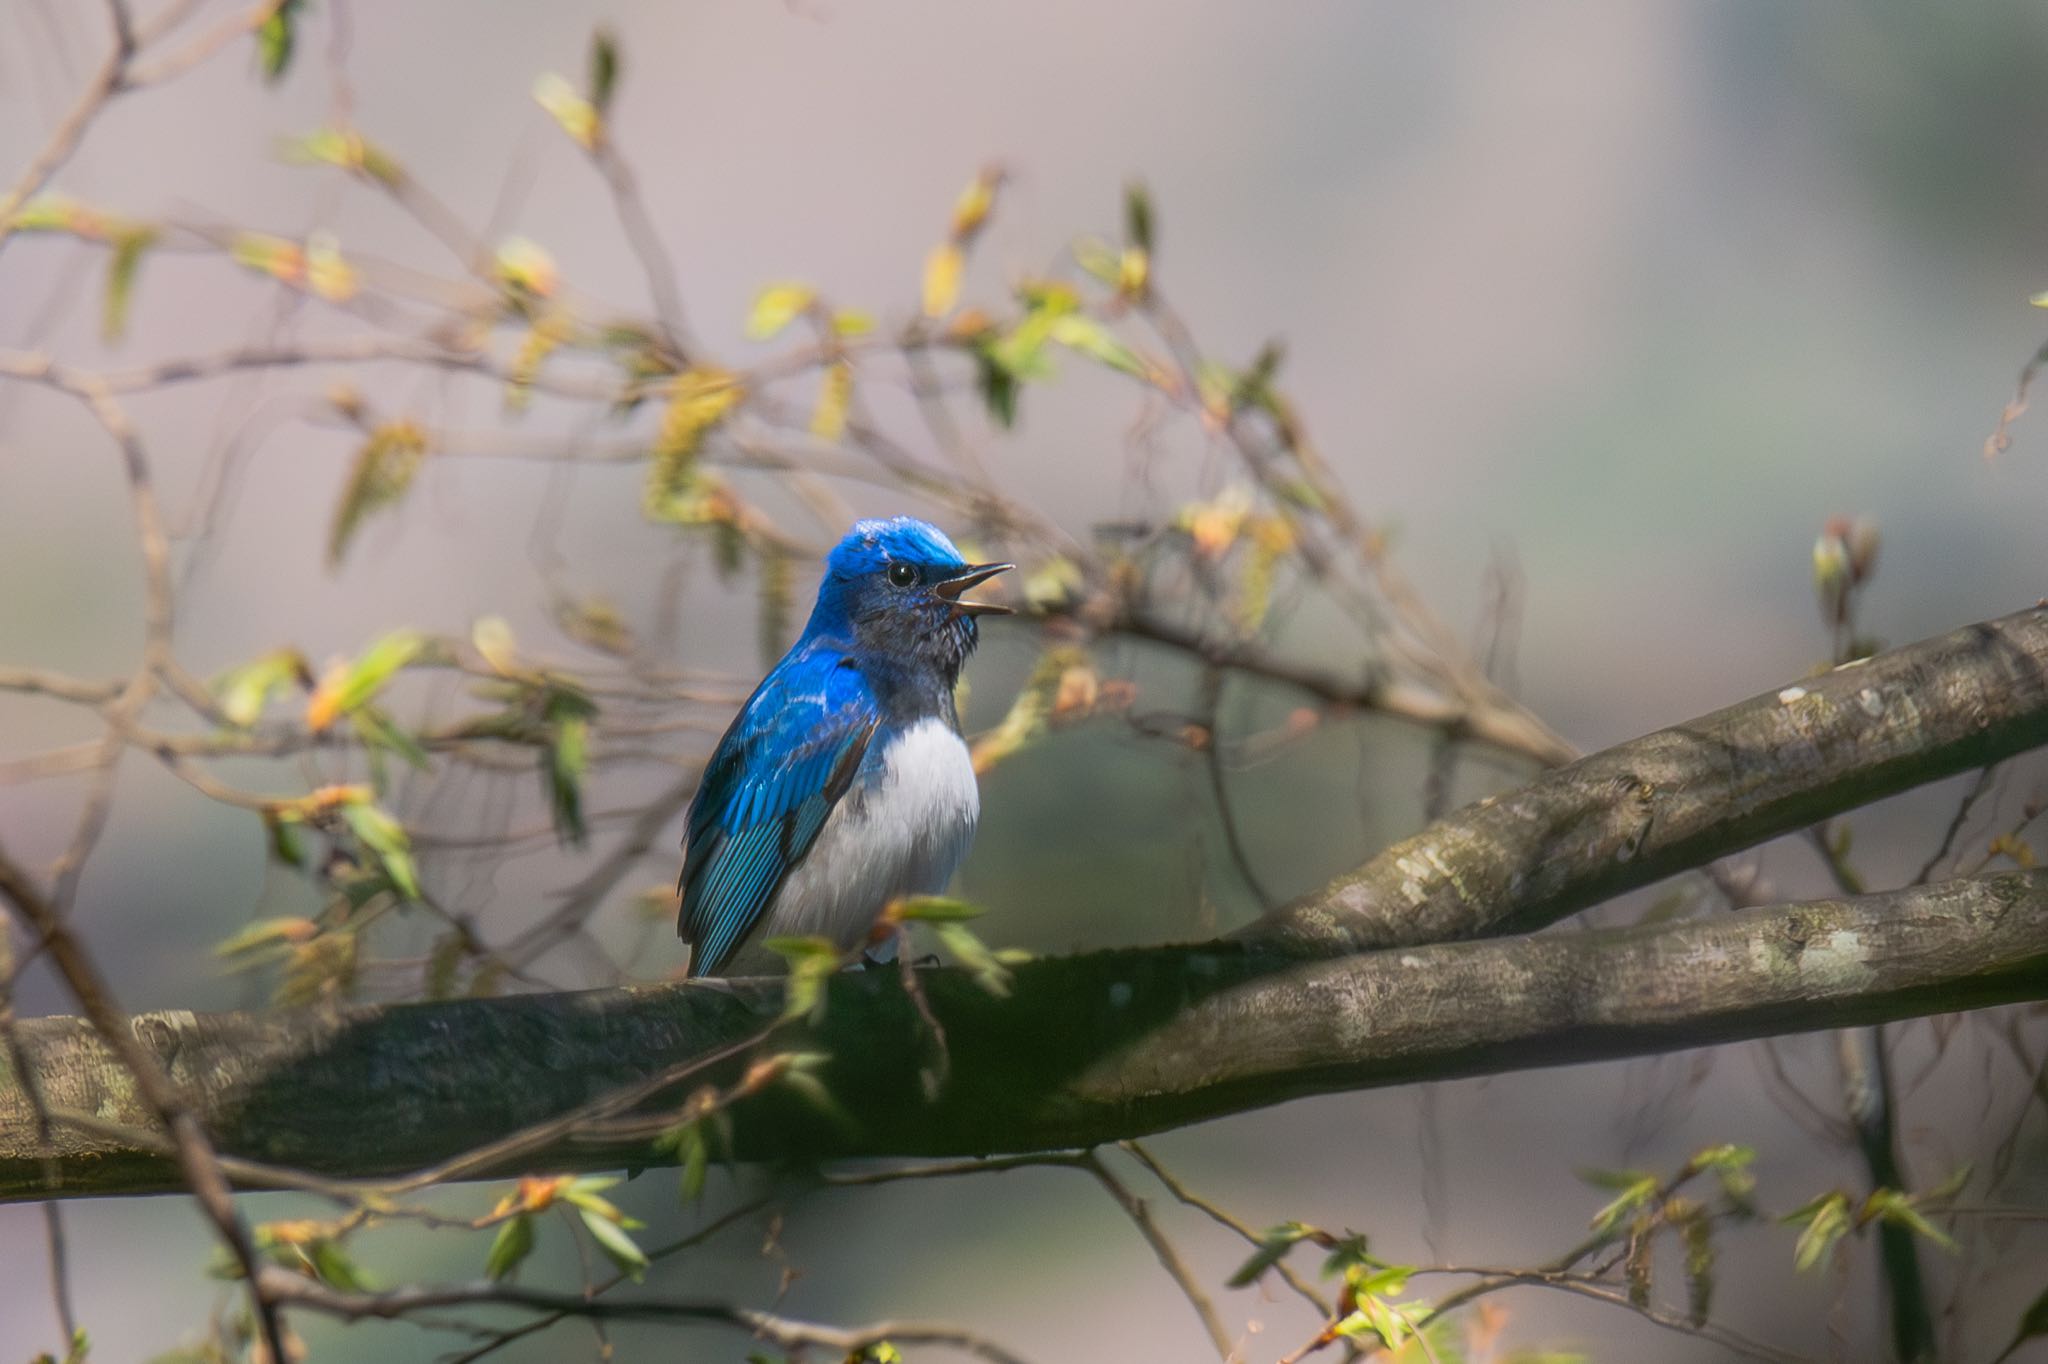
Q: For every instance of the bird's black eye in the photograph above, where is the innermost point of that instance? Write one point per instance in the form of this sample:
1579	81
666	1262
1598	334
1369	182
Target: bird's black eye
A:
903	575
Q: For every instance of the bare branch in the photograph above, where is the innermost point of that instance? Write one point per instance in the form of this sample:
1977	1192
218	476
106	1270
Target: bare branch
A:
1176	1268
1670	801
1505	729
785	1333
1181	1193
65	137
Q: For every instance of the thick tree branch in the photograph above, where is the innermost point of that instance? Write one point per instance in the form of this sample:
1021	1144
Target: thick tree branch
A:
1086	1049
1674	800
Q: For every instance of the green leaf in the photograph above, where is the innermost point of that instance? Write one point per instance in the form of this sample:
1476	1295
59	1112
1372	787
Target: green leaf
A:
775	307
276	37
334	1265
1254	388
693	1154
936	909
1729	1165
811	963
991	969
881	1352
1890	1205
266	933
800	1076
1138	216
1021	351
1374	1279
287	840
1273	1248
76	1354
1381	1319
383	835
998	387
1345	1254
381	734
942	271
121	269
245	691
835	401
1948	1188
611	1238
1053	297
678	488
381	662
1699	1269
1084	334
1724	1157
1826	1220
1637	1189
527	272
604	70
514	1243
346	149
384	468
567	757
588	1194
1095	256
577	116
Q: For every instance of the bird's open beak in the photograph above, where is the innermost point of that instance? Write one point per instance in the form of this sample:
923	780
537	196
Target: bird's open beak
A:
973	575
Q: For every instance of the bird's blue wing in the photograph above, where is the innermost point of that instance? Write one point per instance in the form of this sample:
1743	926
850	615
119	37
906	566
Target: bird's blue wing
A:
789	756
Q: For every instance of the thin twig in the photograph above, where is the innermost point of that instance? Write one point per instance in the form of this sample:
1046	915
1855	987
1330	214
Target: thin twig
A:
1169	1258
539	1324
645	239
1219	789
104	83
1986	779
60	1268
1586	1286
1218	1215
787	1333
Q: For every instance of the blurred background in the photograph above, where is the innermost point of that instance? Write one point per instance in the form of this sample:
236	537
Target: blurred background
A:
1627	297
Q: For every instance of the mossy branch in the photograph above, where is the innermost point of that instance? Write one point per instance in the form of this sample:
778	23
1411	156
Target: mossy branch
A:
1086	1049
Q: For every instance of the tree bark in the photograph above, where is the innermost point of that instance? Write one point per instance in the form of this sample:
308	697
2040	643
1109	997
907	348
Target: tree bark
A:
1674	800
1085	1049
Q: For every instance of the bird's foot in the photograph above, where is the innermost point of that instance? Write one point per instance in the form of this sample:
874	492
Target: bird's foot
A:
870	962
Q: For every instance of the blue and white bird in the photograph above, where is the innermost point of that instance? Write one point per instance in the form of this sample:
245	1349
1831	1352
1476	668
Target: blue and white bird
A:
843	783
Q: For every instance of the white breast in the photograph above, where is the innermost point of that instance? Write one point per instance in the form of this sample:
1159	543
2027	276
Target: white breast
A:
902	830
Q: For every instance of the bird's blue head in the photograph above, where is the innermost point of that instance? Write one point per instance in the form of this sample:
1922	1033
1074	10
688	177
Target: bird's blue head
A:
897	587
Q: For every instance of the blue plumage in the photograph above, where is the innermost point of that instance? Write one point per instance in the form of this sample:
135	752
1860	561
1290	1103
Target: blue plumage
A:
843	782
